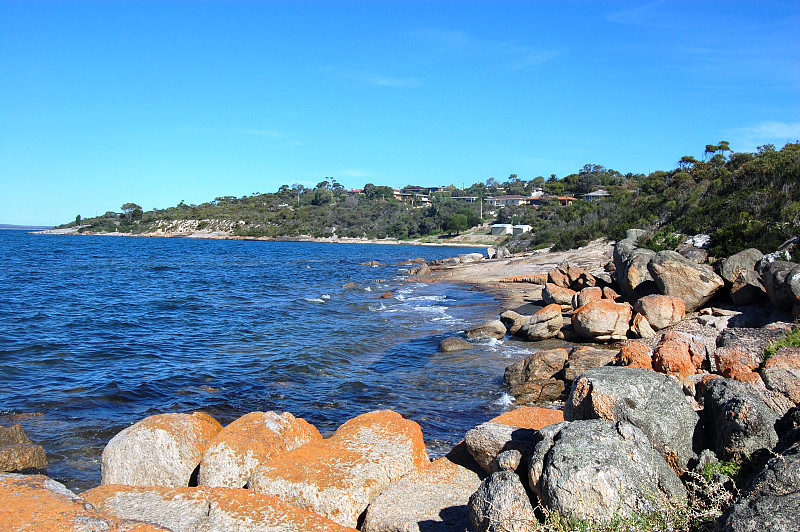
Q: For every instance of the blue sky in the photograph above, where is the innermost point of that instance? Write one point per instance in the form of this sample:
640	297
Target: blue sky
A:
154	102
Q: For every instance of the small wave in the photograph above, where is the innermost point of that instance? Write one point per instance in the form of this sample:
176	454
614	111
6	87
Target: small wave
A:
378	307
314	299
368	289
403	297
504	400
325	296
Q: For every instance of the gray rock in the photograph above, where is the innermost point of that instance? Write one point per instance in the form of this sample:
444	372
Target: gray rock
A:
631	264
782	282
582	359
431	499
489	439
770	500
750	341
648	400
509	460
487	329
692	253
543	364
737	420
743	261
501	505
747	288
537	391
513	321
599	469
453	343
676	276
546	323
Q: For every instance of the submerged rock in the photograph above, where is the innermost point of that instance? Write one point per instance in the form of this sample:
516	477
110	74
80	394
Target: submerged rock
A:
18	452
453	343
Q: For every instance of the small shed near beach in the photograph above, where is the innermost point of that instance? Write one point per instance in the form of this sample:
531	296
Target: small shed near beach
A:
502	229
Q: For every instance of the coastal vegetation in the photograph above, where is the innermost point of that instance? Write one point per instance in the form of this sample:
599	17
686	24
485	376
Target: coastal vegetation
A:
740	199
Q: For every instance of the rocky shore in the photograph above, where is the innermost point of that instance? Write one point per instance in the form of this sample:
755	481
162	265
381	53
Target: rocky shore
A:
670	406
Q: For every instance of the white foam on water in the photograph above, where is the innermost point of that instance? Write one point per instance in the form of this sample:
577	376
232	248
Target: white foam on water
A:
504	400
325	296
314	299
375	308
368	289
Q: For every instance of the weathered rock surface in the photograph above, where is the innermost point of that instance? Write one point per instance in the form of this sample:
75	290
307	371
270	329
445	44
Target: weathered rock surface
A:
587	295
487	329
35	502
631	264
205	509
160	450
743	261
18	452
247	442
747	288
770	500
635	355
543	364
546	323
676	276
513	321
781	373
650	401
452	344
641	328
737	421
672	357
661	311
501	504
602	320
599	469
537	391
781	280
554	294
338	477
431	499
750	341
571	276
530	417
582	359
489	439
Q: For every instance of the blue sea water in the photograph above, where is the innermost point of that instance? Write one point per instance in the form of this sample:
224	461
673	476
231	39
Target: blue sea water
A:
98	332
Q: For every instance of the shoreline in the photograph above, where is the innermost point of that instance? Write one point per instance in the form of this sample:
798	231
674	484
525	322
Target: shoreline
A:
216	235
486	274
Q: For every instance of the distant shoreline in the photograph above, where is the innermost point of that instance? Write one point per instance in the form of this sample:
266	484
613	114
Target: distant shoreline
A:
216	235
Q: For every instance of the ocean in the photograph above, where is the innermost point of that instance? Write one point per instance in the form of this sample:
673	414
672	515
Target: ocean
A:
99	332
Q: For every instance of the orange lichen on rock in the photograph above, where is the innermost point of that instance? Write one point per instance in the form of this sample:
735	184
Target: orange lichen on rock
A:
635	355
530	417
673	358
35	502
206	508
339	477
239	448
539	278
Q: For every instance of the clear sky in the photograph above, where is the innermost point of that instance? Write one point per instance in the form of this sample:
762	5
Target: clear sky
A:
154	102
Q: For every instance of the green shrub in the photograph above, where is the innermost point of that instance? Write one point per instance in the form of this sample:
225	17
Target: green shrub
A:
790	340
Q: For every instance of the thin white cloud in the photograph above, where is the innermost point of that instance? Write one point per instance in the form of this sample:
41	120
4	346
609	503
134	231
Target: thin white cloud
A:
767	132
643	15
455	44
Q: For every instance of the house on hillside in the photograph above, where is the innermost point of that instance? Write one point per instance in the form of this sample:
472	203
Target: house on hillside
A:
521	228
501	229
565	201
503	201
597	195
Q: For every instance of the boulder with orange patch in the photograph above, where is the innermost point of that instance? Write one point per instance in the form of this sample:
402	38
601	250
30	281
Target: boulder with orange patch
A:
338	477
160	450
239	448
35	502
205	509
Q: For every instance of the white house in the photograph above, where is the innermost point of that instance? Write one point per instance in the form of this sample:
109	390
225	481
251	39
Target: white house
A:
502	229
597	195
521	228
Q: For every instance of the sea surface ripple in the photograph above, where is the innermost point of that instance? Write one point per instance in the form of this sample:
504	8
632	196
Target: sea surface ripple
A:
97	333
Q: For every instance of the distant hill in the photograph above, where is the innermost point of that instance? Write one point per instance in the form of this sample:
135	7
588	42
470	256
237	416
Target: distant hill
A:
24	227
740	199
